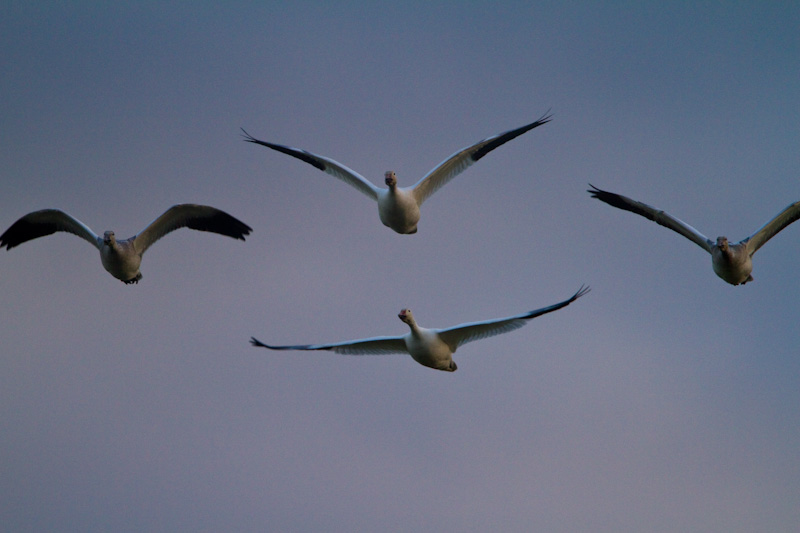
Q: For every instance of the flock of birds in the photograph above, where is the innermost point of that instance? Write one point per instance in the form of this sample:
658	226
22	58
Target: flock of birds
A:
398	209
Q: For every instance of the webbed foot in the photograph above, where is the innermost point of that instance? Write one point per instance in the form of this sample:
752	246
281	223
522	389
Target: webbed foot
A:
132	280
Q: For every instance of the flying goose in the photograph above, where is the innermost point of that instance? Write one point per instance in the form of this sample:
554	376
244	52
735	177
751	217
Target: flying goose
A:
122	258
731	262
398	207
433	348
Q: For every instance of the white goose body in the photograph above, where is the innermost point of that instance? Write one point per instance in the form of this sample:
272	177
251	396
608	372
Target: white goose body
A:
399	208
731	262
433	348
426	346
122	259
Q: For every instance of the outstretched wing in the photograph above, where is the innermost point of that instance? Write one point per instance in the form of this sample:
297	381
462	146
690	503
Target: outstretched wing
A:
329	166
656	215
771	228
46	222
464	333
461	160
371	346
193	216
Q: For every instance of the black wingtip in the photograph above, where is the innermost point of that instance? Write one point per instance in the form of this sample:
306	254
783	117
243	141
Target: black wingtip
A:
31	226
246	230
547	117
302	155
581	291
257	343
605	196
509	135
249	138
218	221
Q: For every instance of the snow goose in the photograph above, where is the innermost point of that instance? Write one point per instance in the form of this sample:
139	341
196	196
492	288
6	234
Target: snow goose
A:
433	348
731	262
398	207
122	258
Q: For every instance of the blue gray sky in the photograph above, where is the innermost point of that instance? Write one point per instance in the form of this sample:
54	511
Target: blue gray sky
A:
664	400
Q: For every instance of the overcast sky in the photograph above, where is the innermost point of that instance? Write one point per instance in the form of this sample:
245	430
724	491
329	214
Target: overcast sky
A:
664	400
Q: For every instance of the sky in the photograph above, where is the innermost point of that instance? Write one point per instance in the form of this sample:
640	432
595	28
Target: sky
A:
664	400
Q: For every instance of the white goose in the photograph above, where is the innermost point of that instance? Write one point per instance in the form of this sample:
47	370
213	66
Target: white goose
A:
398	207
731	262
433	348
122	258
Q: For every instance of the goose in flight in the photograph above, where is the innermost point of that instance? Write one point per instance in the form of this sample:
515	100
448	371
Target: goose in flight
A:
122	258
398	207
731	262
433	348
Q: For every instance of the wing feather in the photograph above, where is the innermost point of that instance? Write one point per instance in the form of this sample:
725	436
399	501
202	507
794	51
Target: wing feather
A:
46	222
473	331
464	158
771	228
370	346
656	215
327	165
193	216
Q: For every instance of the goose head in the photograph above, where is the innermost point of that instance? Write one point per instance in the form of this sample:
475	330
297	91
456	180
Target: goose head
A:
109	239
390	178
722	243
406	316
